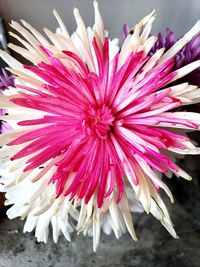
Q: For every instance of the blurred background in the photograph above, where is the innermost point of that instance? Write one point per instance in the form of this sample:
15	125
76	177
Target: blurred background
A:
155	248
178	15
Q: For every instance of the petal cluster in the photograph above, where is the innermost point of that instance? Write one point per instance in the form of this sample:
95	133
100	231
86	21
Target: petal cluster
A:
95	127
188	54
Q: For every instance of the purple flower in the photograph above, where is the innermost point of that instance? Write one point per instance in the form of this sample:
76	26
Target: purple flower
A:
6	80
190	53
166	41
126	30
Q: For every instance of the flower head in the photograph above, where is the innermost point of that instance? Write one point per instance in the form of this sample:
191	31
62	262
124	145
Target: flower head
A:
96	125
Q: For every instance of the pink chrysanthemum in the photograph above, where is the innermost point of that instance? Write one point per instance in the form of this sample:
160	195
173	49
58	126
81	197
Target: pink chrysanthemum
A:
95	127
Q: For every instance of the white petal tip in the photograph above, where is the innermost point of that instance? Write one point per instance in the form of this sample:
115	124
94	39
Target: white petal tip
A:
95	3
76	11
133	235
189	178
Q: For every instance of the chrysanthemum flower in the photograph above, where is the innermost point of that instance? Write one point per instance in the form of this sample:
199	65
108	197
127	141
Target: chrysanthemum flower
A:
95	126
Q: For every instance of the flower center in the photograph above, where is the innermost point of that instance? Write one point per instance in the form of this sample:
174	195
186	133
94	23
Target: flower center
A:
97	121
